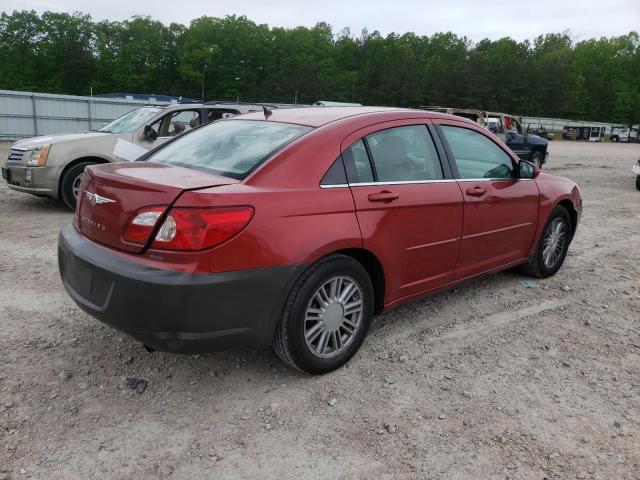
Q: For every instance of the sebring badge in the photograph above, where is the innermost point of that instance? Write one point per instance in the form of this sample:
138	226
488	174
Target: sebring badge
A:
95	199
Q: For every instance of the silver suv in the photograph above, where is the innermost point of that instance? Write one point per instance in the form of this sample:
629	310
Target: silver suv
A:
53	165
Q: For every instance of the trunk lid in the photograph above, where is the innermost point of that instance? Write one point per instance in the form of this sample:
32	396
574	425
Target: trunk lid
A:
111	194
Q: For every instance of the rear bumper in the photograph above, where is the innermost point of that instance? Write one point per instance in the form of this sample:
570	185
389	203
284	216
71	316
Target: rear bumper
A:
174	311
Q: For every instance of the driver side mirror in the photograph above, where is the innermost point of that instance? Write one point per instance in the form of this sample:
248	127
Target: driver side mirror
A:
149	133
527	169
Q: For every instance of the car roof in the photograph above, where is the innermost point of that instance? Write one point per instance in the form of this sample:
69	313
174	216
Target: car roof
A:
242	108
319	116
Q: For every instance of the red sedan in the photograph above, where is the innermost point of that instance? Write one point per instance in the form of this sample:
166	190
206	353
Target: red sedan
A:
293	228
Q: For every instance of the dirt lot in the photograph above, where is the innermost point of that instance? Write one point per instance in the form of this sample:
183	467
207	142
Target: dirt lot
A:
491	380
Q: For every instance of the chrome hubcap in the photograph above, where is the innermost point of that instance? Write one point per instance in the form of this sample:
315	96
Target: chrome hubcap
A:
554	242
333	316
75	186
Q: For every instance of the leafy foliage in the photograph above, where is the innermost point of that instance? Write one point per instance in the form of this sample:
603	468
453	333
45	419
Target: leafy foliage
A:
235	58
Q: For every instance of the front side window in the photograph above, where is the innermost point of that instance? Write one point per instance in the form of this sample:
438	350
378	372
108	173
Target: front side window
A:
476	156
513	125
175	123
494	124
230	147
182	121
404	154
129	122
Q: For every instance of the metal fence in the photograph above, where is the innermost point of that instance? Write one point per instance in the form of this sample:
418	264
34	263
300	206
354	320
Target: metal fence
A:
27	114
559	123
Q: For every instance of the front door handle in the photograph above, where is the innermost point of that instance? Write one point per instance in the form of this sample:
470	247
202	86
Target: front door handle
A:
384	196
476	191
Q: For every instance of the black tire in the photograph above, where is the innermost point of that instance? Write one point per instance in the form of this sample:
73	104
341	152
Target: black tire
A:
614	139
289	340
536	265
69	177
537	158
638	182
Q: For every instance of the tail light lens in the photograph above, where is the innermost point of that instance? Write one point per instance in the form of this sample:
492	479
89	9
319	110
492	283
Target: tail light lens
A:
140	228
199	228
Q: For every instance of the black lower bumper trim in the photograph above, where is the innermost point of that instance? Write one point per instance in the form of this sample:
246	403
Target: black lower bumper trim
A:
174	311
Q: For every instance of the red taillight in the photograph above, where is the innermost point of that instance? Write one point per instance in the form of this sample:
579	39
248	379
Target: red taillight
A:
187	228
142	225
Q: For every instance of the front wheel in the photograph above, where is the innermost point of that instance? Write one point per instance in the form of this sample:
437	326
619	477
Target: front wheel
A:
614	139
553	245
638	182
70	183
536	158
326	317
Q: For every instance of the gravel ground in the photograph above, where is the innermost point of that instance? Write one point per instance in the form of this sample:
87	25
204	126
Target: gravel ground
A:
490	380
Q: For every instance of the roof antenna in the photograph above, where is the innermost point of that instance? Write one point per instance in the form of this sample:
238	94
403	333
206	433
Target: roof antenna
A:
267	112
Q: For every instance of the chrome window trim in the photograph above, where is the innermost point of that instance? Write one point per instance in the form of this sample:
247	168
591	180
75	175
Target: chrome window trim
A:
414	182
404	182
492	179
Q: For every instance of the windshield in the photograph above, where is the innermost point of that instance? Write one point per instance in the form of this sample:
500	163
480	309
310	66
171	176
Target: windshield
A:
130	121
230	147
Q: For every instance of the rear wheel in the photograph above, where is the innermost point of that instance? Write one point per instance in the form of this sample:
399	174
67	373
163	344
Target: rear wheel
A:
553	245
70	183
638	182
614	139
326	317
536	158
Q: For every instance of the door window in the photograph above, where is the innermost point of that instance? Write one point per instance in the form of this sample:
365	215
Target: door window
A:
476	156
513	125
183	121
404	154
494	124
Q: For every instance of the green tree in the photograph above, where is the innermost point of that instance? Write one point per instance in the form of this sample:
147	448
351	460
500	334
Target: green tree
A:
595	79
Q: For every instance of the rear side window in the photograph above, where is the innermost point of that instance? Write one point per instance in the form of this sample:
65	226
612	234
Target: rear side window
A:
476	156
335	175
404	154
217	113
232	147
356	161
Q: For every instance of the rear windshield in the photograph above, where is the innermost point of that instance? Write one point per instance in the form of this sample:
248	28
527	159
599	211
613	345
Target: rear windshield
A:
231	147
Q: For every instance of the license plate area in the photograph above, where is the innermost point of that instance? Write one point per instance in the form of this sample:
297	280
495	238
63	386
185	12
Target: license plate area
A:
91	285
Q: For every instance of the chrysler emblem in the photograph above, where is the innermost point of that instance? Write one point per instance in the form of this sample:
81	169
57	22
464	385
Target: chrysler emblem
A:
95	199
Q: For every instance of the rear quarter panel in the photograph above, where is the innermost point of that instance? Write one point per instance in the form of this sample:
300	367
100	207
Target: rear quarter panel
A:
292	226
295	221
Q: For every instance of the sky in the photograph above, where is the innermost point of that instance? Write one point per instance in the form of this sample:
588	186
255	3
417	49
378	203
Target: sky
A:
475	19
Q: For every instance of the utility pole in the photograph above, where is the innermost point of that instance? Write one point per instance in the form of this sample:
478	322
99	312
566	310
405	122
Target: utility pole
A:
204	69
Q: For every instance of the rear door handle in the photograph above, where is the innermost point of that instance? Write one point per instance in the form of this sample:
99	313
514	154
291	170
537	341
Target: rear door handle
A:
384	196
476	191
